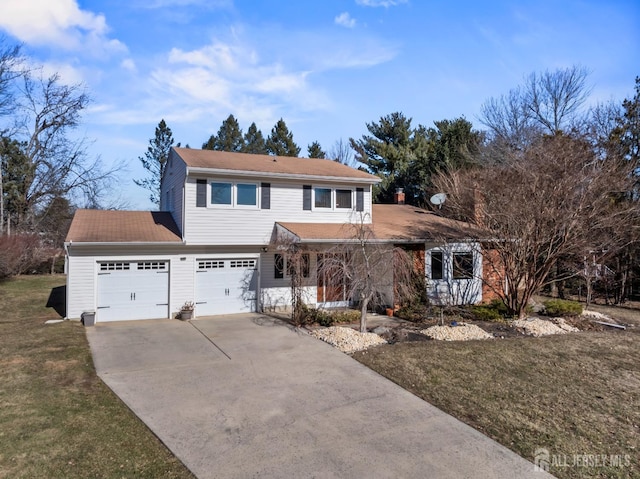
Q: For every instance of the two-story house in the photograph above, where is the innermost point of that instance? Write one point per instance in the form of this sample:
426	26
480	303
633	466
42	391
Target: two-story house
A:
215	241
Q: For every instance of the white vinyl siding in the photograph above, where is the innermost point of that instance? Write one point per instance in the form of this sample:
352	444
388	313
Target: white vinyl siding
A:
275	293
81	275
83	267
252	226
454	287
171	194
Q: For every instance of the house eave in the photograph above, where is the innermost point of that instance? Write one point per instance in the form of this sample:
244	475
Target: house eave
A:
122	243
285	176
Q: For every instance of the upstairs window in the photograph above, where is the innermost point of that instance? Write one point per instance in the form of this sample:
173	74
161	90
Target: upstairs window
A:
221	193
228	194
322	197
331	199
343	199
247	194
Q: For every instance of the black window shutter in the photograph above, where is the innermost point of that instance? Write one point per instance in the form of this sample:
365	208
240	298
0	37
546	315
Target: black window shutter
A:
201	193
359	199
265	196
306	197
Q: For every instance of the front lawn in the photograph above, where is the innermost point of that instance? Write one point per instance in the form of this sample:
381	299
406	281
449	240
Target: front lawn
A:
57	418
574	394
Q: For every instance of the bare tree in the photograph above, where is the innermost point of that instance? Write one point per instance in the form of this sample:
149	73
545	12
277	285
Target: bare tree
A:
11	63
368	271
558	200
547	102
555	98
342	153
59	165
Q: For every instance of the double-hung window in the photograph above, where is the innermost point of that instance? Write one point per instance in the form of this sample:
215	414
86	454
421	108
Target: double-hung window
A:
343	199
286	265
229	194
462	265
322	197
246	194
332	199
221	193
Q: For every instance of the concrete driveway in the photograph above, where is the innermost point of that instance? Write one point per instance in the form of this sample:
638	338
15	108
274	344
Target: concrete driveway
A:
247	396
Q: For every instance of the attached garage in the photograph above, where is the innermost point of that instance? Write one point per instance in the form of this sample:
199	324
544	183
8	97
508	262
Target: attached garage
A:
226	286
132	290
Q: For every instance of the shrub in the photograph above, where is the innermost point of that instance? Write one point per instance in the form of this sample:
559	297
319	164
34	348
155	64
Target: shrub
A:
562	307
328	317
20	254
486	313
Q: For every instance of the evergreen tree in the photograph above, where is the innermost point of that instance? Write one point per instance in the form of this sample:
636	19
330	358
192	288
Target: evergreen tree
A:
254	142
155	160
406	157
315	151
280	141
630	128
229	137
16	176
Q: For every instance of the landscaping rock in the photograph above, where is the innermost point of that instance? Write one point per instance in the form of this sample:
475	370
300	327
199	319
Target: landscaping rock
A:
541	327
347	340
381	330
461	332
597	316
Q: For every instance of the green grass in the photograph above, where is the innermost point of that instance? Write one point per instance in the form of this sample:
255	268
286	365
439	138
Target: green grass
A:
572	394
57	418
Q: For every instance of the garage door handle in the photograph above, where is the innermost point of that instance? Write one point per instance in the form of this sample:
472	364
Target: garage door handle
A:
104	307
162	304
201	302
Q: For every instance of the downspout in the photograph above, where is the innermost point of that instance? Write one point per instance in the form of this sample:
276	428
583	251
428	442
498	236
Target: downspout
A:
66	272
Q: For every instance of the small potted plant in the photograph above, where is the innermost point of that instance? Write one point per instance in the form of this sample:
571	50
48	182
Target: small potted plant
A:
186	311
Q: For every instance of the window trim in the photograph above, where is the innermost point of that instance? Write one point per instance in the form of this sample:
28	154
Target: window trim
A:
333	190
458	272
234	194
441	254
256	205
284	272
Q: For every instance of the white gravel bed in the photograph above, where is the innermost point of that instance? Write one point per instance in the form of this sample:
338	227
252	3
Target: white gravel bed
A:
462	332
347	340
597	316
541	327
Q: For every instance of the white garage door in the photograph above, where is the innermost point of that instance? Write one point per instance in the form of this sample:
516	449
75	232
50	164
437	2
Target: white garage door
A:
133	290
225	286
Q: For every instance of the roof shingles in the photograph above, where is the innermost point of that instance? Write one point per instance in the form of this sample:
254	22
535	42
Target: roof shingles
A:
107	226
266	164
402	223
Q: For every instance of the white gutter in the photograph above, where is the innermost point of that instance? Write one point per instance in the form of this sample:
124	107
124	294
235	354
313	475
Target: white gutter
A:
288	176
124	243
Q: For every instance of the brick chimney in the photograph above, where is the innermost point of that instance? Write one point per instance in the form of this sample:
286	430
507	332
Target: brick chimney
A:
398	197
478	206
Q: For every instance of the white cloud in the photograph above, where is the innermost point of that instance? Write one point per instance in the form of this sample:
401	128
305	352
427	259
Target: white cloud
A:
380	3
128	64
69	74
59	23
345	20
185	3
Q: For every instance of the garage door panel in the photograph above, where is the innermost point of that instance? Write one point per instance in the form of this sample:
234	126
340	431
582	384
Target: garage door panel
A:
133	290
226	286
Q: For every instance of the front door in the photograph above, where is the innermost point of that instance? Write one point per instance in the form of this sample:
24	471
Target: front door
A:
332	281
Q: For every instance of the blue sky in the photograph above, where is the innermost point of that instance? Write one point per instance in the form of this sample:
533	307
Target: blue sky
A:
327	67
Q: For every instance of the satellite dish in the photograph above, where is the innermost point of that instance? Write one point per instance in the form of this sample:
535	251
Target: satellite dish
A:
438	199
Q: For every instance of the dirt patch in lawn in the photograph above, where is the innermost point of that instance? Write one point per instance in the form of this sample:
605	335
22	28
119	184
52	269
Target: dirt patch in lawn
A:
576	395
58	419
